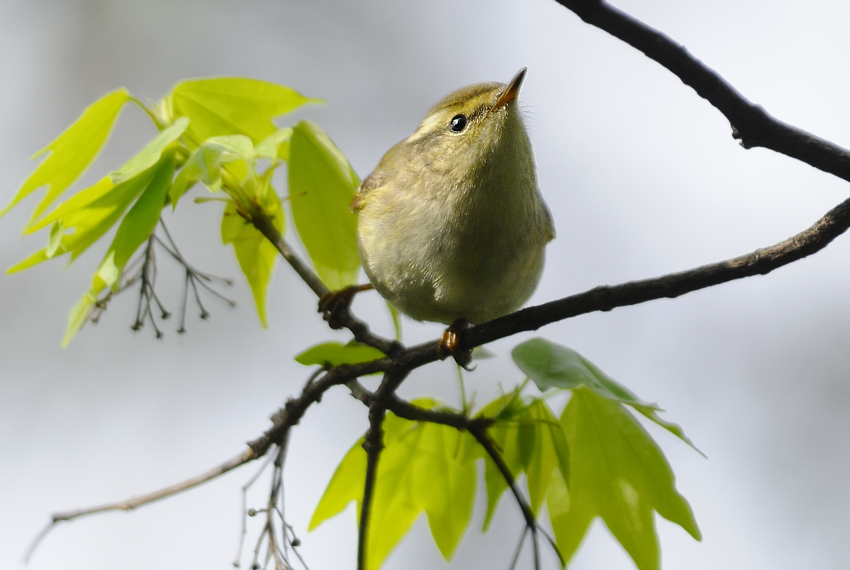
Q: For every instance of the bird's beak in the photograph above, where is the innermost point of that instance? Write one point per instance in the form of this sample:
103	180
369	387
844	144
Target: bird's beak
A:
511	91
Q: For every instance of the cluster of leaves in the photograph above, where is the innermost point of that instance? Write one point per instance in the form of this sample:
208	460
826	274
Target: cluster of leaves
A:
594	460
215	131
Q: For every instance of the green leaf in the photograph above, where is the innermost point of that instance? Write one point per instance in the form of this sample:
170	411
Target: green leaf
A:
233	105
87	216
443	484
34	259
256	255
529	439
276	145
136	227
152	152
507	434
82	219
552	365
551	453
321	187
419	471
72	151
345	486
619	474
205	163
335	353
79	315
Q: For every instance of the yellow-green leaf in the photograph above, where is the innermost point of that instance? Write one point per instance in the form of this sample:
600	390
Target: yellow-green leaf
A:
86	216
79	315
72	151
276	145
444	485
256	255
321	187
205	163
34	259
508	435
530	440
335	353
345	486
618	474
420	470
233	105
151	153
551	453
136	227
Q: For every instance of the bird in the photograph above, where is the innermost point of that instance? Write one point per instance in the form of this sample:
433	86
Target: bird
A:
452	227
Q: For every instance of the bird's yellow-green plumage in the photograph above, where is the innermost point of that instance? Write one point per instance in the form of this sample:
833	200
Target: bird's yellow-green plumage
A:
451	222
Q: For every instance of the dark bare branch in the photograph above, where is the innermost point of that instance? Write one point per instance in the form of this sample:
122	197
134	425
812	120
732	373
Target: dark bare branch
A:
751	124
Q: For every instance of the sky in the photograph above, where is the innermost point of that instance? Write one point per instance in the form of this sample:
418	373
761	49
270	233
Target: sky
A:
642	176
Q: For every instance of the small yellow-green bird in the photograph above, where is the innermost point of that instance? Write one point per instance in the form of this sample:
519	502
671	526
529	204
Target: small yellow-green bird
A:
452	227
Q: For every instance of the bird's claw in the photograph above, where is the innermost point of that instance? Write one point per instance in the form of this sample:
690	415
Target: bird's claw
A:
335	304
450	344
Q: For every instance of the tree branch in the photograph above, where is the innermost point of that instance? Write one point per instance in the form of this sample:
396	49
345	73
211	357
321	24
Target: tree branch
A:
358	328
751	124
129	504
373	443
265	226
759	262
408	411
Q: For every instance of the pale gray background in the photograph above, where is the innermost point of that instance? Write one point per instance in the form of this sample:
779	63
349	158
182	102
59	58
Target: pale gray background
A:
643	178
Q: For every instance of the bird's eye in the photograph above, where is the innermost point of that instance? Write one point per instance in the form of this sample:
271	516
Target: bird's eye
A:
458	123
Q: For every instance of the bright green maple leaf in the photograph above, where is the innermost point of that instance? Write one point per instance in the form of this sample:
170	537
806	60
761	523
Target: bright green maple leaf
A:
232	105
420	470
321	186
83	218
72	151
619	474
552	365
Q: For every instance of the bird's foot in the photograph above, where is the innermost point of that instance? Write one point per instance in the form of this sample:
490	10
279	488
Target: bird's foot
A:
450	344
334	305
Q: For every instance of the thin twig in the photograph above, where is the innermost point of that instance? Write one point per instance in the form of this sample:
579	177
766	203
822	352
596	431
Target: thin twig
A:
357	327
265	225
515	558
408	411
484	441
135	502
245	515
245	457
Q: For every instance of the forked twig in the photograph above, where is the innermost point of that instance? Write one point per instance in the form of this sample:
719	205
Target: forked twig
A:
135	502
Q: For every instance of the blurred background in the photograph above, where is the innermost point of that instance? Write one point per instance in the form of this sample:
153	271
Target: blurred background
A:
643	178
